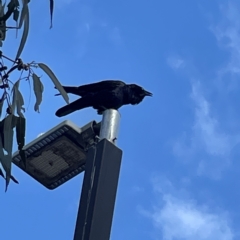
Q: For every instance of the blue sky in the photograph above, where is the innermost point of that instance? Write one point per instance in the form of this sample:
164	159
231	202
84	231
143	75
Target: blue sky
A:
180	169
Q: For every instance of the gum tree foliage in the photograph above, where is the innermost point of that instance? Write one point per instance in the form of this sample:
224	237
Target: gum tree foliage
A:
17	11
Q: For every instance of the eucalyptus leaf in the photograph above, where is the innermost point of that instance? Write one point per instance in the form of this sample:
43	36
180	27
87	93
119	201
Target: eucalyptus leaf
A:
18	101
17	3
2	9
8	133
16	14
6	160
13	178
38	90
4	163
20	104
2	24
1	173
3	30
2	102
57	84
7	165
14	100
25	33
13	4
20	135
23	12
51	11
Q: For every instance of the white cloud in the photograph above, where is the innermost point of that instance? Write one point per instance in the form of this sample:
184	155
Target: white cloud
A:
206	126
207	143
175	62
227	33
184	220
176	217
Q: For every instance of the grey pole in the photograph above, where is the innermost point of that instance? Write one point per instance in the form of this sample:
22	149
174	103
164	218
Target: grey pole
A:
95	213
110	125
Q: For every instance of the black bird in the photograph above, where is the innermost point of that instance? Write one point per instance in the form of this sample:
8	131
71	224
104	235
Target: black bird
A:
108	94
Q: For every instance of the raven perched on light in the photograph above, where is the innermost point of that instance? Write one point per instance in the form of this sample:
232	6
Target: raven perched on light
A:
108	94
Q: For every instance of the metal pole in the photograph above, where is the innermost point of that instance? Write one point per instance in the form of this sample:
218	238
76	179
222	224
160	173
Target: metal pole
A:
100	182
110	125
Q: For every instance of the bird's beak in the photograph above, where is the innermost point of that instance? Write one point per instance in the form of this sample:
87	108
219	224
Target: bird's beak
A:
147	93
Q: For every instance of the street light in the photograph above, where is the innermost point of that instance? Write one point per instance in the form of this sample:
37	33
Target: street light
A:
67	150
59	154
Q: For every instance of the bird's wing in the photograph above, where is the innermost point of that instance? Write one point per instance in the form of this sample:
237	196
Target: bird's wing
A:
70	89
108	85
74	106
93	87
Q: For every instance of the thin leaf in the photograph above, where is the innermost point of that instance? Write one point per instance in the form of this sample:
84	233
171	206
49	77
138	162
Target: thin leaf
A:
6	164
14	100
12	177
2	9
13	4
51	11
16	15
25	34
23	12
8	133
20	135
2	24
20	103
57	84
2	102
17	100
6	160
38	90
1	173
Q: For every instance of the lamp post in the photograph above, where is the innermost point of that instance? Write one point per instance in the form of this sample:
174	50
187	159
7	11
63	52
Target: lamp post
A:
67	150
100	182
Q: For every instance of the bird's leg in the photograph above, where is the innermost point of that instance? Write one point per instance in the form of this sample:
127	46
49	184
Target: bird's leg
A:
101	109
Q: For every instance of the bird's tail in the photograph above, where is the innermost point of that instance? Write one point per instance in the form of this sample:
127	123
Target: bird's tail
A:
69	89
74	106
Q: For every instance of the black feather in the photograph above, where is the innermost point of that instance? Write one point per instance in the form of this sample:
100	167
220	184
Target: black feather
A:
109	94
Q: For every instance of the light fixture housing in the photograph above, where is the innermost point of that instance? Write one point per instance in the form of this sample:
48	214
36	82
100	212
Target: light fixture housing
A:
59	154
